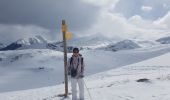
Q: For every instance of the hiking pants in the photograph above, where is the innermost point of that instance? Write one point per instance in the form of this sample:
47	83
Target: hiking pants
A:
80	82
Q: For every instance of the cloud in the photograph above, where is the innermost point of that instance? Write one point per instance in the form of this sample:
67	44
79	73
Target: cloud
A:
11	33
48	13
146	8
116	25
102	2
130	8
112	18
27	17
138	21
164	21
110	25
125	19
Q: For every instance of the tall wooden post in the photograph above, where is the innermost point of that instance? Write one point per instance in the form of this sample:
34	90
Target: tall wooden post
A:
64	30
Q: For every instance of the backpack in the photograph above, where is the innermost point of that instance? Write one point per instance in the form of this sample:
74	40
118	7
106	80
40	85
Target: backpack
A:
74	70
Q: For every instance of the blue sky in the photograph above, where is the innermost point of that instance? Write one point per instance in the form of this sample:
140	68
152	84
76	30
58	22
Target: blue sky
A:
123	18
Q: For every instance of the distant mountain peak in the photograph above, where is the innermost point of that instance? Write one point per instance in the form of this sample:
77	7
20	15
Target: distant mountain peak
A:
25	43
41	39
164	40
32	40
22	42
123	45
2	45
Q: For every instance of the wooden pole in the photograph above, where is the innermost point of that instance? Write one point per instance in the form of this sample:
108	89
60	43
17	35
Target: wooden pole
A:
64	30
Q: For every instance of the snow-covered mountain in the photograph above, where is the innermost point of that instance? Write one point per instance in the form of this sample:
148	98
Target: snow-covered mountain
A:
22	68
87	42
92	41
122	45
164	40
145	43
58	46
2	45
36	42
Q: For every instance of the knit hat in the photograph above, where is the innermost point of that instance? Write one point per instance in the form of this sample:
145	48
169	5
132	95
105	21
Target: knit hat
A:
76	50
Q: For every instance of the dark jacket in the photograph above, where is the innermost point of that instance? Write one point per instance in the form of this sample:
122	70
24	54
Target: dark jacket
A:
78	64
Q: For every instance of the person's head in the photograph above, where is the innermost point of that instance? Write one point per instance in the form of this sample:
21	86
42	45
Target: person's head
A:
75	51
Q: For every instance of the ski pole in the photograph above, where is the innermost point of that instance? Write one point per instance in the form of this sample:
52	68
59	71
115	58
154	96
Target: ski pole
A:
87	90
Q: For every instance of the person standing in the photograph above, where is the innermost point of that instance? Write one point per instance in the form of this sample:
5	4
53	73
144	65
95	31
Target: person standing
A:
76	72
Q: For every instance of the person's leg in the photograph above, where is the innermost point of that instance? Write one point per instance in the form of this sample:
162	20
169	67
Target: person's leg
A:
74	88
81	88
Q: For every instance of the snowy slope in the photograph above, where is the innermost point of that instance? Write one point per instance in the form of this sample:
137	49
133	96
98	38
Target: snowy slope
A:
36	42
2	45
122	45
18	68
121	83
164	40
146	43
92	41
116	84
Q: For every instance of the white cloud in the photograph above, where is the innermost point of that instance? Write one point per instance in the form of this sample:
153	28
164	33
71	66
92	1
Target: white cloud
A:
147	29
102	2
10	33
164	21
146	8
164	5
108	22
112	24
138	21
116	25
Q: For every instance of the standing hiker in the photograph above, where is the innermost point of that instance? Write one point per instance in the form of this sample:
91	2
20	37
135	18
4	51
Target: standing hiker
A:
76	71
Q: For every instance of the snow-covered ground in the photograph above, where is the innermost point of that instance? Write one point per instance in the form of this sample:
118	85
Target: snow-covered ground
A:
116	84
35	68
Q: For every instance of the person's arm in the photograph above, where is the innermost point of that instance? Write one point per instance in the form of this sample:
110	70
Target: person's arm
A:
83	66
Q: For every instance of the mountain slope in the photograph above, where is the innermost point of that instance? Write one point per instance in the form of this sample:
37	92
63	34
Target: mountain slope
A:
18	68
122	45
164	40
36	42
39	42
2	45
117	84
92	41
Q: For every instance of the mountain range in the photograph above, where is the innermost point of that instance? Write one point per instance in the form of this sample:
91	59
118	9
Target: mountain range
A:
96	41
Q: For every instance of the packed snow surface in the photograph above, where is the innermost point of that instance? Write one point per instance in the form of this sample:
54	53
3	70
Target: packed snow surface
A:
121	83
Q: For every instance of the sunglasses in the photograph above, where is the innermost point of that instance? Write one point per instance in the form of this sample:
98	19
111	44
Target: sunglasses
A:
75	52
